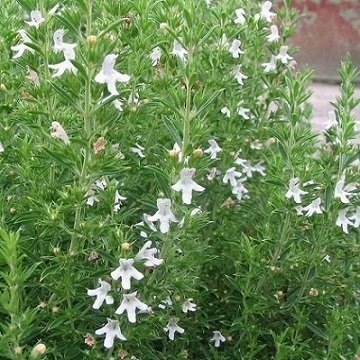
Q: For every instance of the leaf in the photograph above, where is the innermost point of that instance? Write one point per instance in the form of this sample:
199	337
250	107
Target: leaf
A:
110	27
316	330
65	95
172	129
208	102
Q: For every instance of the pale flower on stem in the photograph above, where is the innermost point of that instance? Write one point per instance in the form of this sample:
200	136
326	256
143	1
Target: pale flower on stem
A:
101	294
109	76
188	305
231	176
129	304
213	150
217	338
36	19
148	254
58	132
343	221
118	201
164	215
172	327
240	190
59	44
294	190
111	330
138	150
179	51
239	76
226	111
270	66
356	217
283	56
235	50
243	112
22	47
91	197
314	207
240	17
342	192
155	56
187	185
126	271
265	12
274	35
66	65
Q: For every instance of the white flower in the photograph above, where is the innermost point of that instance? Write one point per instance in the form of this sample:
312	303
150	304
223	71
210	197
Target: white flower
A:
134	98
240	18
101	183
138	149
235	49
239	76
36	19
91	197
270	66
256	145
343	221
332	120
1	148
59	44
223	43
356	217
118	105
118	201
111	331
239	190
58	132
21	48
342	192
176	152
172	327
217	338
299	210
126	271
188	305
274	36
179	51
164	215
32	76
129	304
265	12
231	175
148	254
212	174
295	191
226	111
66	65
101	294
259	168
187	185
327	258
155	56
283	55
314	207
109	76
243	112
165	303
213	150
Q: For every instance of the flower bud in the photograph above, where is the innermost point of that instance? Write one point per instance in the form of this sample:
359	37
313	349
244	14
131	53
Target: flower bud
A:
125	246
55	309
198	152
12	211
38	350
313	292
164	26
91	39
3	87
173	153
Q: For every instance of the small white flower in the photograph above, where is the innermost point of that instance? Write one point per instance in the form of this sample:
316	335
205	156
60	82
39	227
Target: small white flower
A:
223	43
299	210
101	294
172	327
118	201
111	331
129	304
1	148
118	104
109	76
66	65
283	55
239	76
213	150
101	183
240	17
164	215
36	19
356	217
332	120
270	66
179	51
165	303
230	176
239	190
212	174
21	48
134	98
295	191
274	36
259	168
327	258
188	305
265	12
138	149
342	192
187	185
226	111
58	132
243	112
91	197
217	338
32	76
59	44
234	49
126	271
155	56
148	254
314	207
343	221
256	145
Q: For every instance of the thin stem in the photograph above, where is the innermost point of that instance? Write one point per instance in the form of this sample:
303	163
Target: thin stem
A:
187	118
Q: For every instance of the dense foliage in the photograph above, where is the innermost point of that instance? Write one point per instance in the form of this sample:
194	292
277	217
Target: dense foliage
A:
238	242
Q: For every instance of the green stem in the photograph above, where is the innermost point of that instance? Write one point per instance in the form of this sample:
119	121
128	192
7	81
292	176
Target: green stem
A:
187	116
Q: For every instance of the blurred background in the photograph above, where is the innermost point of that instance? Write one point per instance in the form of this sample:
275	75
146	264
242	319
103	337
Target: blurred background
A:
327	30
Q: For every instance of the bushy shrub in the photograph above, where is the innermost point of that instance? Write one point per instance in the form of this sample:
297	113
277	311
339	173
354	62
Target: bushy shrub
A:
163	193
